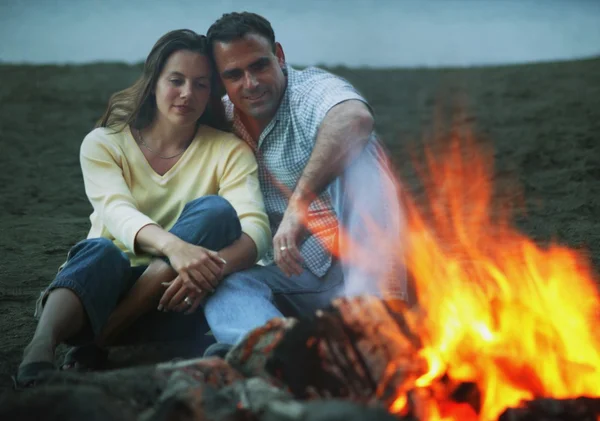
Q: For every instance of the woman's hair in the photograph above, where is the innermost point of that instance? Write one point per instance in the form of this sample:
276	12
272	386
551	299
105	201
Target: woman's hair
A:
136	105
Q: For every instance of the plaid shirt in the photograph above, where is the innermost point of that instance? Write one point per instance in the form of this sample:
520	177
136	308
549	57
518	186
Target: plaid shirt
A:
284	148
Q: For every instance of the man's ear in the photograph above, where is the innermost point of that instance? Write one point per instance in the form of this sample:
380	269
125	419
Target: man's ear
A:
280	54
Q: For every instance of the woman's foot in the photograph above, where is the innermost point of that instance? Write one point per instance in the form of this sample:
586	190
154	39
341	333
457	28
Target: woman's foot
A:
37	358
39	349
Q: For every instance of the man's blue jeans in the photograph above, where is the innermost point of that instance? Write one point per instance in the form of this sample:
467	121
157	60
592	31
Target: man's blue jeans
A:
366	202
100	274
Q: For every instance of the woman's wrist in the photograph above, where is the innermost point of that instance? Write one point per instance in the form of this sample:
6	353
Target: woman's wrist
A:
170	245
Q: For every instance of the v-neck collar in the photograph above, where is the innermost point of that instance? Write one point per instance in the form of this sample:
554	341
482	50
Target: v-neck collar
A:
161	179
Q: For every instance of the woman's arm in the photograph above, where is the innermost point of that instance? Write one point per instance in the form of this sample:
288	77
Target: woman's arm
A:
238	183
105	186
240	255
197	266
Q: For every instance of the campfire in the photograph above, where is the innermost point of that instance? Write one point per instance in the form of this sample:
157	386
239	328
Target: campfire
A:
500	318
503	329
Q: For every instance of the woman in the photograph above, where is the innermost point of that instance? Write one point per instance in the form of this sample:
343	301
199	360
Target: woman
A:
177	206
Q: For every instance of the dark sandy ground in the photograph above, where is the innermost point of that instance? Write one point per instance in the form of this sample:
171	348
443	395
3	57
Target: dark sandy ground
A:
543	121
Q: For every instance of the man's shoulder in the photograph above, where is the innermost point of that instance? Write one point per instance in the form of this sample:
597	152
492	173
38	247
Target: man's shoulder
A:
311	73
313	78
314	91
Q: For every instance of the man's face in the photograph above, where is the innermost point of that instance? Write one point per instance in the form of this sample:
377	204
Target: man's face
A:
252	75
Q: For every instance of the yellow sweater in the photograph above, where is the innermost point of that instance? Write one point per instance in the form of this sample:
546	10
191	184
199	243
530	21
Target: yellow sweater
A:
127	194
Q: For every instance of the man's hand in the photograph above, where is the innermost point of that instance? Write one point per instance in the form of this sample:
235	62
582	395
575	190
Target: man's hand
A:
180	298
288	238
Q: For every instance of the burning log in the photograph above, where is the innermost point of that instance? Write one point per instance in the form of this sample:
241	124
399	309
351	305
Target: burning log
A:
250	356
546	409
136	390
360	348
242	400
64	403
357	360
326	410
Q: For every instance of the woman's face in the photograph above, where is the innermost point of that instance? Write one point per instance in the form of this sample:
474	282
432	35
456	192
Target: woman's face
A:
183	88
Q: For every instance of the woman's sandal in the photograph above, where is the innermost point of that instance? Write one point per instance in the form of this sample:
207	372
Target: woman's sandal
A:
85	358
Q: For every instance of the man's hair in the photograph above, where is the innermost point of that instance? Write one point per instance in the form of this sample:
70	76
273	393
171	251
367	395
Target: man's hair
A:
234	26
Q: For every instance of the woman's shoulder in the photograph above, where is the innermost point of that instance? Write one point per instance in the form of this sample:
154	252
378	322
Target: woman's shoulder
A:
103	139
104	135
221	139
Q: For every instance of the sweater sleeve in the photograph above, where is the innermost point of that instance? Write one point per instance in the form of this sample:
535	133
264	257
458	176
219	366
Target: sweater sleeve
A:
239	184
106	188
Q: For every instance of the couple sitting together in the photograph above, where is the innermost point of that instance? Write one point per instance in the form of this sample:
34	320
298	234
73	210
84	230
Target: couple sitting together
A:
227	207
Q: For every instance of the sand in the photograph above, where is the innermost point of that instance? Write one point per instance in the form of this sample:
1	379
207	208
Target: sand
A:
543	121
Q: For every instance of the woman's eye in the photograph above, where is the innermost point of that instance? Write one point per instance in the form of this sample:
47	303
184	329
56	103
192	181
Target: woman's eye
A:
176	82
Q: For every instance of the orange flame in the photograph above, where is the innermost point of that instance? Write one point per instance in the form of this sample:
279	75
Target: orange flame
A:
516	319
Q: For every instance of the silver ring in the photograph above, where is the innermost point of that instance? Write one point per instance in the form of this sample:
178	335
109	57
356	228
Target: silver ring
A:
283	248
188	301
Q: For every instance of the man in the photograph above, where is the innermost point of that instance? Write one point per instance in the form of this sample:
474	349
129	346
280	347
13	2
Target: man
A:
328	192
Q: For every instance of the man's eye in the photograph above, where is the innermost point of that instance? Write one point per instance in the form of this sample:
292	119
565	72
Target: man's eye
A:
232	76
259	67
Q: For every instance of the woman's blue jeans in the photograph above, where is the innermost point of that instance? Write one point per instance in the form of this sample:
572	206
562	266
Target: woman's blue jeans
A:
100	274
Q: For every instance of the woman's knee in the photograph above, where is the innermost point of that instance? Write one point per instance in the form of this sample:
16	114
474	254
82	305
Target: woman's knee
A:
98	250
212	208
209	221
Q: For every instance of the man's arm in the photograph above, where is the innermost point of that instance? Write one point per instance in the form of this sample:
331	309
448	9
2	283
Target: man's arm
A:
342	135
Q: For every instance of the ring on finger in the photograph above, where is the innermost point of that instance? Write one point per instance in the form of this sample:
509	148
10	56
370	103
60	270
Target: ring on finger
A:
188	301
283	248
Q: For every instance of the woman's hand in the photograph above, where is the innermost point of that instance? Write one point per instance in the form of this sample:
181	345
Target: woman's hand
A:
198	268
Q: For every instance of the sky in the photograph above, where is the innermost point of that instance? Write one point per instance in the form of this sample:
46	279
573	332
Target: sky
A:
354	33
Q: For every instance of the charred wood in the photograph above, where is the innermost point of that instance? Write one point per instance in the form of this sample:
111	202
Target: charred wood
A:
250	356
63	403
547	409
360	348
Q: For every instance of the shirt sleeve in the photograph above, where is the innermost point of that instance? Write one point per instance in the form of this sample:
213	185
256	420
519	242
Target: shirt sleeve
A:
322	94
105	186
239	184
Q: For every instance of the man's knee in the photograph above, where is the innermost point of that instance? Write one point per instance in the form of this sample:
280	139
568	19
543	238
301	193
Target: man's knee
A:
240	287
241	303
245	282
